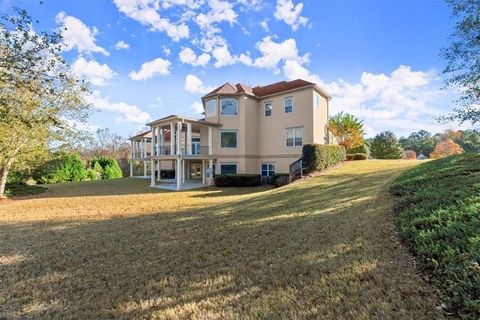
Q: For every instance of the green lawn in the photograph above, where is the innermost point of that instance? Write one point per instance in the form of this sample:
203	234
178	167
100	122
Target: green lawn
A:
323	248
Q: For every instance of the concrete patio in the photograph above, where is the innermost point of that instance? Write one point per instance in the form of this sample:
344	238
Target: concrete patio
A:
171	184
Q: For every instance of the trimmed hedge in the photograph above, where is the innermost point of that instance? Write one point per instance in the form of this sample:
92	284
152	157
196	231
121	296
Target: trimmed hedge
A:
238	180
280	179
438	213
357	156
317	157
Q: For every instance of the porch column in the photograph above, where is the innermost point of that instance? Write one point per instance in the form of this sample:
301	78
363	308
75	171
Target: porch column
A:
210	166
162	141
178	173
189	138
203	172
144	168
210	141
159	130
183	171
159	170
172	138
152	173
179	136
131	167
152	145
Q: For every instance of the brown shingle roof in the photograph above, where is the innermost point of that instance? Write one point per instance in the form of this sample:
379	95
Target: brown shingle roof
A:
280	87
260	91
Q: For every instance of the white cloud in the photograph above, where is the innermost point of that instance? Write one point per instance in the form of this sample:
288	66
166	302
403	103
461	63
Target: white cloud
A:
264	25
292	70
223	57
96	73
166	50
402	101
77	35
273	53
219	11
147	13
127	112
152	68
188	56
290	14
197	107
121	45
194	85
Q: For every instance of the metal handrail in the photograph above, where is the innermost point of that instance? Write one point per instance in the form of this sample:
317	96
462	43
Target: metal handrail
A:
295	169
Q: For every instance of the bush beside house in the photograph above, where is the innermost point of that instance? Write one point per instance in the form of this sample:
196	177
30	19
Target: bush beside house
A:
109	167
317	157
238	180
357	156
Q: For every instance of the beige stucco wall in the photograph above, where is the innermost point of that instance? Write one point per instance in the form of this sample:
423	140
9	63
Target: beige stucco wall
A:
261	139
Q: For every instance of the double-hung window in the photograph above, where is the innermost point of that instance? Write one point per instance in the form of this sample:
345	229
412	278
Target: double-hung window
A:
316	100
268	169
268	109
294	137
228	168
211	109
288	104
228	139
229	107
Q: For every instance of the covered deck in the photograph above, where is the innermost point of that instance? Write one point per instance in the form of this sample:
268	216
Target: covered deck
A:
187	144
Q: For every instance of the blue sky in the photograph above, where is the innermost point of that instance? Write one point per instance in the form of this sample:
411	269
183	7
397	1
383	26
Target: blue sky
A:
150	58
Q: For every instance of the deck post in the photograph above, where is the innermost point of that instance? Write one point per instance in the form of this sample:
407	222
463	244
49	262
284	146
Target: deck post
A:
172	138
178	173
152	173
144	168
204	180
183	171
159	165
131	167
210	166
189	138
179	137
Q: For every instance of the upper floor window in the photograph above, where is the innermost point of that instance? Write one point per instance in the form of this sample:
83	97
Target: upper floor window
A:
294	137
228	139
288	103
316	100
229	107
268	109
211	110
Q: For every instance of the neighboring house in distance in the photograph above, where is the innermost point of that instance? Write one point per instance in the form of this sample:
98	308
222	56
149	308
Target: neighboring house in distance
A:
257	130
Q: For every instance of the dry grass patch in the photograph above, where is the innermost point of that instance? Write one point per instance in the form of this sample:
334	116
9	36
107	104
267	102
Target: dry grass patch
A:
321	248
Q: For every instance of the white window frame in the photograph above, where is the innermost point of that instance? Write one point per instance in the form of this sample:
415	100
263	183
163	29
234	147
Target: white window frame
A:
316	100
294	137
285	104
229	115
265	108
268	168
228	130
229	164
207	115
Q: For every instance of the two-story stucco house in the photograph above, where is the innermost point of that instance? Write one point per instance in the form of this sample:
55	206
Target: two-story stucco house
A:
245	130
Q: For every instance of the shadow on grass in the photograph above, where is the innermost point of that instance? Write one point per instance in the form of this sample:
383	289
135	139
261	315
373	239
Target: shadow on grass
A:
322	248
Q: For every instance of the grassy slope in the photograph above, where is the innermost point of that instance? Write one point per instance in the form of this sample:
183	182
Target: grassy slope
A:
439	215
320	248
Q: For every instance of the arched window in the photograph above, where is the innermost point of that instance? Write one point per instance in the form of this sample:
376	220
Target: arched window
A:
229	107
211	110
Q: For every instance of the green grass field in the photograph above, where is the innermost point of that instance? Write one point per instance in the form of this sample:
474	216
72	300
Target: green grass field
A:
324	247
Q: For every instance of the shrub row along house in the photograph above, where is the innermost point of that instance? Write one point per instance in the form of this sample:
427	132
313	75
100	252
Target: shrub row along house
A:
258	130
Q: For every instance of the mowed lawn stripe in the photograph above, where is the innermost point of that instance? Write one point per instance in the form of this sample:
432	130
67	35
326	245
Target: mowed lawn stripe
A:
323	248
